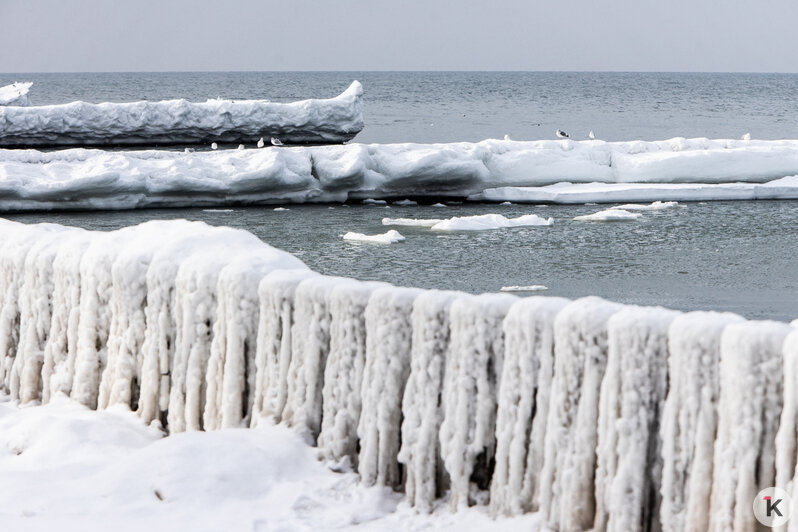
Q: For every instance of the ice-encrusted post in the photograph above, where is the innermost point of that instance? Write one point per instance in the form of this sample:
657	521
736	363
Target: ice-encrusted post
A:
470	391
523	403
567	490
629	458
748	419
310	346
343	373
388	348
787	436
690	419
422	403
273	356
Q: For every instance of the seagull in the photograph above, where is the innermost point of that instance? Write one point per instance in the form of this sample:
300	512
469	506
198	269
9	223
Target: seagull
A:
591	135
747	136
214	145
507	137
562	134
261	143
276	142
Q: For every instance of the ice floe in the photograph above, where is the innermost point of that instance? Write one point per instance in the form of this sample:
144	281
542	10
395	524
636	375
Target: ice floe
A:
412	222
483	222
167	122
524	288
655	206
610	215
15	94
391	237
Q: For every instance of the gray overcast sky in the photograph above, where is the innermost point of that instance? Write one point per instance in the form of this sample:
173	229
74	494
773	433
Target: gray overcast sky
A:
675	35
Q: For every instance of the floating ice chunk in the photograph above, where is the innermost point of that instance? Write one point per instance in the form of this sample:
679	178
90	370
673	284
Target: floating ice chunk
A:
16	94
332	120
218	210
484	222
405	203
391	237
371	201
281	209
506	203
656	206
525	288
437	205
610	215
411	222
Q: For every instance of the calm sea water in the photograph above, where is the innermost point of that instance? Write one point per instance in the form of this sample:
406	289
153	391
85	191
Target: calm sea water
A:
737	256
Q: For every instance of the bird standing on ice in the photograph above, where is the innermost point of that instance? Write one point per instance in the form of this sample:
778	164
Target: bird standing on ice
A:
591	135
747	136
562	134
276	142
261	143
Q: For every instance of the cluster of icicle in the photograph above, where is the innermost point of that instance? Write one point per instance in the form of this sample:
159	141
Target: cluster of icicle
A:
597	415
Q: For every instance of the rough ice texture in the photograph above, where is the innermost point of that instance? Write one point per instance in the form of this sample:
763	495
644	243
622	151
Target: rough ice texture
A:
523	403
16	94
388	351
580	358
167	122
748	419
470	392
629	454
677	169
557	407
422	403
690	419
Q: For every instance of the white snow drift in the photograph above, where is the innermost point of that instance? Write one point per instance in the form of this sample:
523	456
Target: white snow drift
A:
15	94
595	415
146	123
493	170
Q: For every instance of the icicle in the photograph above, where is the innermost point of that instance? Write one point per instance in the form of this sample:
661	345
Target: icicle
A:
580	357
273	357
469	393
343	375
523	403
61	348
421	407
388	346
690	419
748	418
310	346
629	458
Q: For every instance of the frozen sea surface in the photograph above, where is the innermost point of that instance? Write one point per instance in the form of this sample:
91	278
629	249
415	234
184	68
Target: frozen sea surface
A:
737	256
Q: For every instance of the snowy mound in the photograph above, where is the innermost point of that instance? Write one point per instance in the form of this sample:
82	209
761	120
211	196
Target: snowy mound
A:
482	222
391	237
610	215
492	170
511	405
172	122
15	94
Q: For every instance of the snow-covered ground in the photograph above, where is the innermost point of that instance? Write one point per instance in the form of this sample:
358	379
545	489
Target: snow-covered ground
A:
15	94
494	170
333	120
576	415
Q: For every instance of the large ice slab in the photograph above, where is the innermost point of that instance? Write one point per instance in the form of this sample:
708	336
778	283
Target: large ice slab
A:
15	94
173	122
491	170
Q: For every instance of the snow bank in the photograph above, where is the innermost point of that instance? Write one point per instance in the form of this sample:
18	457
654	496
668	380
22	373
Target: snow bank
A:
167	122
16	94
482	222
593	414
391	237
610	215
491	170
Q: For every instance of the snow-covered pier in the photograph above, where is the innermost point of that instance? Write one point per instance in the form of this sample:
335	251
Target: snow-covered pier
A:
594	414
177	122
561	171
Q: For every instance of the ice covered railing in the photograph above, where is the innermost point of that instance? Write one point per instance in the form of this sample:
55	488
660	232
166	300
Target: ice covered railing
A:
172	122
561	171
15	94
598	416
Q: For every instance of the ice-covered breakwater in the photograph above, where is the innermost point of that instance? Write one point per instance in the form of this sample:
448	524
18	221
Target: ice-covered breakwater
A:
595	414
171	122
494	170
